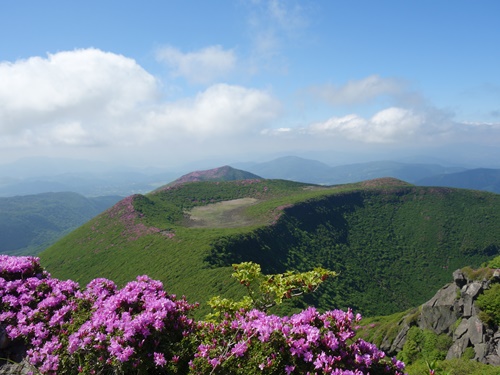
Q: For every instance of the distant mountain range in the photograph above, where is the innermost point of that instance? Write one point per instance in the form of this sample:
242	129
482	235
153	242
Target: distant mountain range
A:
477	179
30	223
92	179
312	171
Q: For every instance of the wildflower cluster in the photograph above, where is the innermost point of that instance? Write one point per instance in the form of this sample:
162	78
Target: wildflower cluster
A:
140	329
306	343
100	329
36	308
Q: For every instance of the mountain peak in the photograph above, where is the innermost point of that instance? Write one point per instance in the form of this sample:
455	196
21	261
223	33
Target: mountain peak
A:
224	173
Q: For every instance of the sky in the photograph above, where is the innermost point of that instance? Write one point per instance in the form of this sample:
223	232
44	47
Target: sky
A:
170	82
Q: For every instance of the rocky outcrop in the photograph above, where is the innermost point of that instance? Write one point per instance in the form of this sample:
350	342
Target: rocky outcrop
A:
12	356
453	311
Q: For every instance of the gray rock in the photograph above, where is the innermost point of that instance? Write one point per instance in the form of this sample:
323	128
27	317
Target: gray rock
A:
493	359
481	352
457	349
461	329
459	278
399	341
475	331
469	294
439	313
473	289
446	296
439	319
21	368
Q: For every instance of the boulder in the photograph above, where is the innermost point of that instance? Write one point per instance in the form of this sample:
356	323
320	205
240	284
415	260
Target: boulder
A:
457	349
440	312
469	294
475	330
459	278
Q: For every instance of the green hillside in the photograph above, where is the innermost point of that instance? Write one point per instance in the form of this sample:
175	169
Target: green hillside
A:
394	244
31	223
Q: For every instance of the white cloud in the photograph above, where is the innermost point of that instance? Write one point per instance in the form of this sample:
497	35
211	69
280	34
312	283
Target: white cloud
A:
93	98
360	91
387	126
203	66
220	110
43	96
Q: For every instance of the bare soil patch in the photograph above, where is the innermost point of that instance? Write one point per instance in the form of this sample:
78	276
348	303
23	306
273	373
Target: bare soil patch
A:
227	214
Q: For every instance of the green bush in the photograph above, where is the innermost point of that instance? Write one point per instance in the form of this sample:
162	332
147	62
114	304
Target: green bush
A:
469	353
495	262
424	345
489	303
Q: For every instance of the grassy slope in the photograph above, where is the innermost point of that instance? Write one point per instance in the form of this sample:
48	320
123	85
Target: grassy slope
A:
29	224
394	245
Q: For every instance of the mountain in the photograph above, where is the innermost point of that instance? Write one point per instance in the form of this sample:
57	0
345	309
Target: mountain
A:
312	171
225	173
393	243
292	168
29	224
478	179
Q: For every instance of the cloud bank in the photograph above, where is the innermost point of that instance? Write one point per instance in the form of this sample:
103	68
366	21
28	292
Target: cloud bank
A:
95	98
90	99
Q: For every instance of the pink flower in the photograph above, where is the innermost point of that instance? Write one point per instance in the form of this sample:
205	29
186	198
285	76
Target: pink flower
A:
159	359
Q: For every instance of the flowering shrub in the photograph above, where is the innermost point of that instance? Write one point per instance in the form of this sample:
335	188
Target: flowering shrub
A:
101	329
36	308
139	329
136	329
305	343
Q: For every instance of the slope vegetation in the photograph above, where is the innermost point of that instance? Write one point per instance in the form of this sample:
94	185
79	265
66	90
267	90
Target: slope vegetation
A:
394	244
31	223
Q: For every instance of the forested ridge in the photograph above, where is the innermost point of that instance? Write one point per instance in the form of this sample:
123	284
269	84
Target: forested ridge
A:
393	244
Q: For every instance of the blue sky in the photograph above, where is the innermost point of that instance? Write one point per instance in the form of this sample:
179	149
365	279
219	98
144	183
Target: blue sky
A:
163	83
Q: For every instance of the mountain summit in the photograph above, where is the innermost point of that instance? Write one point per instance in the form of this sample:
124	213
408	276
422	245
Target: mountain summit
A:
225	173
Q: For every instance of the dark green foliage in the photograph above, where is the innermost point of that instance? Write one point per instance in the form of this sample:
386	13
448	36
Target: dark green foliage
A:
424	345
29	224
387	245
469	353
489	303
387	240
494	263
